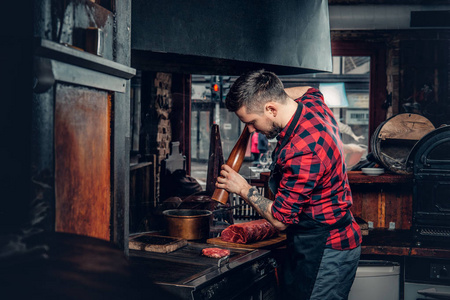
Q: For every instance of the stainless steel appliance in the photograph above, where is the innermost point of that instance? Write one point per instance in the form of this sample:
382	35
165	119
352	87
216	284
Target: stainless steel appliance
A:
186	274
376	279
426	278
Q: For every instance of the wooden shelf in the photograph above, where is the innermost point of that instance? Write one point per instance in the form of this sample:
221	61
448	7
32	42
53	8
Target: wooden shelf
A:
357	177
401	243
52	50
394	243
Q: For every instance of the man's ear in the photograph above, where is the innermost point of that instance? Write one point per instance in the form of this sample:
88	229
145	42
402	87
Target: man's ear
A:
271	109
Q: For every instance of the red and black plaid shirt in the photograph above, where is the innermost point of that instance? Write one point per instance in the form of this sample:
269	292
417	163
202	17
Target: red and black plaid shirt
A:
314	178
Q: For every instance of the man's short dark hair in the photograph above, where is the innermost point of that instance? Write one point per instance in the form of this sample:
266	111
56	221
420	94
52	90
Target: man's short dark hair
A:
254	89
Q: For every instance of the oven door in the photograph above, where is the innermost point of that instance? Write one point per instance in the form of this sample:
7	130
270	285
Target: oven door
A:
426	278
432	202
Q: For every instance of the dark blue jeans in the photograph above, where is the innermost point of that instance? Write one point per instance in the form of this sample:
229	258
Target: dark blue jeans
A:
336	274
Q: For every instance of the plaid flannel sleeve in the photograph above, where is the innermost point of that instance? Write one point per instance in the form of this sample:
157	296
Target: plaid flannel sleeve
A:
300	175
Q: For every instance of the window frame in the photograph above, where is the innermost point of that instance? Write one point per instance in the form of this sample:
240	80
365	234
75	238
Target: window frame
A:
377	85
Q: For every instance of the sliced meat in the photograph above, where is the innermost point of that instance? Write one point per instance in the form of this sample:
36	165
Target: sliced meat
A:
249	232
215	252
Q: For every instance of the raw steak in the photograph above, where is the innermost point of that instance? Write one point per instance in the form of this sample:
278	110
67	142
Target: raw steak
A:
249	232
215	252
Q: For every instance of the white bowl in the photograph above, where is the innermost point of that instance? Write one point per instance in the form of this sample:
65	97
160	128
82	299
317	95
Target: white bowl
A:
372	171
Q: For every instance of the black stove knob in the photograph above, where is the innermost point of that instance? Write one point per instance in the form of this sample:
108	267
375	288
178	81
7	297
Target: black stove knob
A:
443	272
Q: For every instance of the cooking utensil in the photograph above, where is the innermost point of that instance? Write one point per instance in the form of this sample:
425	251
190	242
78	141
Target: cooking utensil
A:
190	224
235	160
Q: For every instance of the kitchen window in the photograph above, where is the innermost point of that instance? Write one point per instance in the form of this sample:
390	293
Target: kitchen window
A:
359	66
346	92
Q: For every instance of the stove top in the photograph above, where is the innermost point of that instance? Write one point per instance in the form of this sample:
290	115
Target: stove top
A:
186	274
187	266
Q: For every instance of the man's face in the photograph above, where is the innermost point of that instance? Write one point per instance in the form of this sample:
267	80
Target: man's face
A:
259	122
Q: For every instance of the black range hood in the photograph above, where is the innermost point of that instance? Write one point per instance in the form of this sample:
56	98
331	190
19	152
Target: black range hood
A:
231	37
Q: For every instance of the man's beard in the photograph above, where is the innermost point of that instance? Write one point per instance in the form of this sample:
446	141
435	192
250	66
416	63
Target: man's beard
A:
273	132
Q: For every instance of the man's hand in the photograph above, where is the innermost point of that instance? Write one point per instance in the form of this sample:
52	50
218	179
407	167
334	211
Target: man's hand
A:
232	182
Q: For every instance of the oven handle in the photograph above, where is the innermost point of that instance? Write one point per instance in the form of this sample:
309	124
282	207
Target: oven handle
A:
224	260
434	294
428	161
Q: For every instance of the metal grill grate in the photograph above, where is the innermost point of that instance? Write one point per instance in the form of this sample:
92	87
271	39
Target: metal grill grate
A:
434	232
243	211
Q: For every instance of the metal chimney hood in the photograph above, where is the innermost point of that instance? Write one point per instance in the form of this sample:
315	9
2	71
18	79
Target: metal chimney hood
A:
231	37
389	17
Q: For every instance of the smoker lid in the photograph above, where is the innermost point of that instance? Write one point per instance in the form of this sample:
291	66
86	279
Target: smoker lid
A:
429	139
394	139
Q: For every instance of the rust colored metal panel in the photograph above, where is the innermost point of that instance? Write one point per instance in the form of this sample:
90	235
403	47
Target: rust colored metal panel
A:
82	161
407	210
357	204
393	208
370	206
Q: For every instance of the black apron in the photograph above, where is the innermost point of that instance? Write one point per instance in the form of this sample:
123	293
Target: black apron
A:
305	246
305	241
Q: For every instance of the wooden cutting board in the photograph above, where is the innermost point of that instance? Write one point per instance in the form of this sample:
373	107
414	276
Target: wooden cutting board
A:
266	244
156	243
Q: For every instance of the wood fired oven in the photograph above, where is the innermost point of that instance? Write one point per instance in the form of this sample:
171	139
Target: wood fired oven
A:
430	162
